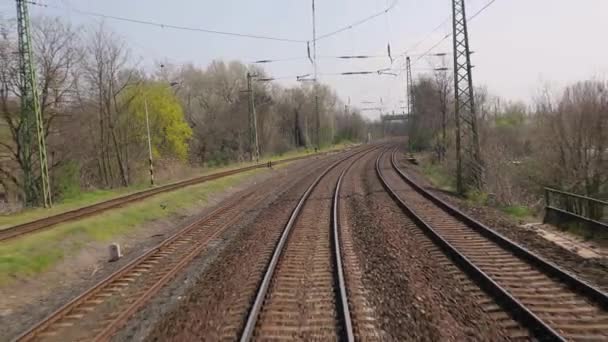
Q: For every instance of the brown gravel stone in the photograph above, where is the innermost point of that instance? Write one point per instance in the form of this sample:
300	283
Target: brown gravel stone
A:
216	305
594	271
416	291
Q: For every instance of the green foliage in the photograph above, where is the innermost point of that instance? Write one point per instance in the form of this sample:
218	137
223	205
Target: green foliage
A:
477	197
508	120
439	177
518	211
38	252
168	128
64	204
218	159
67	180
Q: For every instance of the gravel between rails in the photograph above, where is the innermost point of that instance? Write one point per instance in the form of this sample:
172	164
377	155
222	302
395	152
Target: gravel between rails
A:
417	293
216	305
301	301
593	271
87	270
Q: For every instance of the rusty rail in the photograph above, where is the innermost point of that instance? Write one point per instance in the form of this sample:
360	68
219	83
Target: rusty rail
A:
94	209
553	304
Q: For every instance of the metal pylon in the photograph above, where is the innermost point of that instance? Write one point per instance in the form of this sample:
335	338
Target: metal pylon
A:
31	115
469	170
410	86
253	124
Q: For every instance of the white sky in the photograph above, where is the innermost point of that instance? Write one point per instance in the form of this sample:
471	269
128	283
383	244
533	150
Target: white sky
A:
519	45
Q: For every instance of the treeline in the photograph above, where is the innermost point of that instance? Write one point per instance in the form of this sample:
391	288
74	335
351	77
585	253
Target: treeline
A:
94	97
560	141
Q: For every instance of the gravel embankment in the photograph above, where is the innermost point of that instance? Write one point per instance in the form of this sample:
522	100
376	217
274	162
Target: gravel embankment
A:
594	271
415	290
215	301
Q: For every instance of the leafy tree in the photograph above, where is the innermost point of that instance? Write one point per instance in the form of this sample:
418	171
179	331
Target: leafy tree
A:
169	130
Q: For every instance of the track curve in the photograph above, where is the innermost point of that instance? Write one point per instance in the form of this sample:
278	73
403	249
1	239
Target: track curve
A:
303	293
97	208
551	303
100	311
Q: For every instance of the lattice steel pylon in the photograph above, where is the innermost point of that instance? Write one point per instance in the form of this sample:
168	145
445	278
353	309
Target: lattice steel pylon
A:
469	168
254	145
410	86
31	116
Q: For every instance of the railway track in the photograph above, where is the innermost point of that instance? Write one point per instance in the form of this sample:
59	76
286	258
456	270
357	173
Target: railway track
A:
303	293
94	209
545	299
100	311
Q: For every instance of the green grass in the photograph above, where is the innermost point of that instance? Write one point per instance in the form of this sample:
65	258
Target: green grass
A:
518	211
438	177
87	198
477	197
32	254
81	200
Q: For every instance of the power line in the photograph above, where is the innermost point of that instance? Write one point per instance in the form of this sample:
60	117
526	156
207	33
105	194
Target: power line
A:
481	10
162	25
354	56
266	61
292	59
359	22
427	37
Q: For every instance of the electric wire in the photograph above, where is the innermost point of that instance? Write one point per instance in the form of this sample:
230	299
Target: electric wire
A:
469	19
266	61
359	22
170	26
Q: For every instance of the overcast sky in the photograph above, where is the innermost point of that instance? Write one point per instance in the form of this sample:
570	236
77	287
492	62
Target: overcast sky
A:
519	45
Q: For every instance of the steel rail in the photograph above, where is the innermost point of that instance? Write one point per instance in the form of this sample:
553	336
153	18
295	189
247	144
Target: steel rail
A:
343	291
97	208
574	283
58	314
125	271
252	317
502	296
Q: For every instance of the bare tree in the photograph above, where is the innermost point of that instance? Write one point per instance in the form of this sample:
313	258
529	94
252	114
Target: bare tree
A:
572	138
107	75
57	53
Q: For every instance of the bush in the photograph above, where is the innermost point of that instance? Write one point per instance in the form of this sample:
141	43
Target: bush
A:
518	211
477	197
439	176
67	180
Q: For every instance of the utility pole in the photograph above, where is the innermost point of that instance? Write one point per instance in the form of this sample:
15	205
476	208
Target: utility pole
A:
410	86
150	160
441	81
410	100
316	85
31	115
149	142
469	167
253	125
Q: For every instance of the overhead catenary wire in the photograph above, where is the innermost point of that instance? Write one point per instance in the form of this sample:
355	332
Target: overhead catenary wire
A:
388	33
266	61
219	32
358	22
475	15
168	26
429	35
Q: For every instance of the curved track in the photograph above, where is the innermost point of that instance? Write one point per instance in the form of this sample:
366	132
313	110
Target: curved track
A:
99	312
303	293
550	302
94	209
